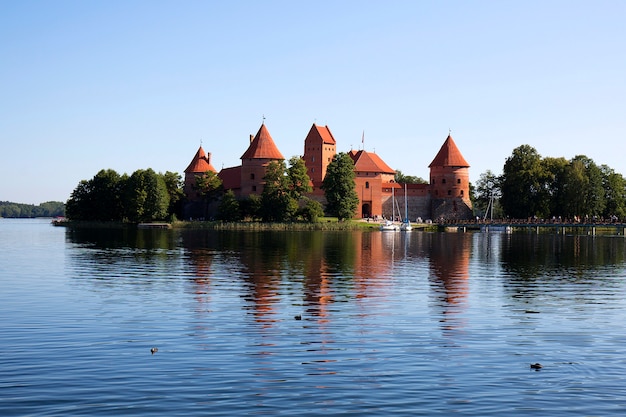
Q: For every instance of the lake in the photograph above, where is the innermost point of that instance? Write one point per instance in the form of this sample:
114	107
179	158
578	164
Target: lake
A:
309	323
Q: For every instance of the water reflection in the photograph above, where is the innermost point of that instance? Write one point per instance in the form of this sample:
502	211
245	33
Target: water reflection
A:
449	258
277	275
545	268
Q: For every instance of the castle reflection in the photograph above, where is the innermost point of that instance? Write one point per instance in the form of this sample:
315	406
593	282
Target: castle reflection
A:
307	273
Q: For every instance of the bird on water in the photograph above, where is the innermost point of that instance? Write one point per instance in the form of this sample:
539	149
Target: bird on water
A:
154	350
536	366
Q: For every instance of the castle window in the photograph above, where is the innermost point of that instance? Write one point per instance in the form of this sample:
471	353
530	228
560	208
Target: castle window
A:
443	181
367	184
449	192
312	169
458	181
252	176
313	159
461	192
254	188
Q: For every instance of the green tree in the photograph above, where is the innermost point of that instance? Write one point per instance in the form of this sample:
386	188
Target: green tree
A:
614	186
174	185
229	210
400	178
554	171
298	180
251	207
339	187
521	183
146	196
210	187
97	199
583	191
277	202
487	194
311	211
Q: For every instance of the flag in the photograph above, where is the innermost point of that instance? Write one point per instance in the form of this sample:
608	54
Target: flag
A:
363	138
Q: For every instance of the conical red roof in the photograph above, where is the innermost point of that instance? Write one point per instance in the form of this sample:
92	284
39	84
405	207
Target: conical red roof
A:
200	163
262	146
449	156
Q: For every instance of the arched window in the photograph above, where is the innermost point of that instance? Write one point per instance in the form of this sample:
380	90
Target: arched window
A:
461	192
458	181
367	184
449	192
443	181
252	176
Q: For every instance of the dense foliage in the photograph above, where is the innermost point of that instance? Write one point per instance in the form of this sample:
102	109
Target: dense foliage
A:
18	210
108	196
339	187
283	198
532	186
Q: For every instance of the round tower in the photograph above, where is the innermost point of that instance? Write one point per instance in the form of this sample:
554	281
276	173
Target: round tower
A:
449	183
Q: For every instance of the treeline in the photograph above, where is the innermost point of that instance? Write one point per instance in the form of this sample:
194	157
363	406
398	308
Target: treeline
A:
534	186
141	197
18	210
148	196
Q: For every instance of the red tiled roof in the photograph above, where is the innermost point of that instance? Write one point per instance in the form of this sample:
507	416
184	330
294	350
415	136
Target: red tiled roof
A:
369	162
449	156
200	163
262	146
324	133
231	177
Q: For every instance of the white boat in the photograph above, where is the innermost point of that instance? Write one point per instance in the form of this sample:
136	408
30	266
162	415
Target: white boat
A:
406	224
389	226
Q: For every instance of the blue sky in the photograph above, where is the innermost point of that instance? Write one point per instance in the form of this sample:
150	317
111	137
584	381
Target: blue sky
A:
127	85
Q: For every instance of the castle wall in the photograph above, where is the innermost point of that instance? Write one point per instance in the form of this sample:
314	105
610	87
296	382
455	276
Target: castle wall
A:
451	209
419	206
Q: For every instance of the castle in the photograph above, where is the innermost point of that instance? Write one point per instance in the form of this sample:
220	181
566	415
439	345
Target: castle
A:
445	197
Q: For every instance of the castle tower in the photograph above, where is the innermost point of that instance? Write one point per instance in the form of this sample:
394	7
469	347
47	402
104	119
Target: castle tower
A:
254	161
449	183
200	164
319	149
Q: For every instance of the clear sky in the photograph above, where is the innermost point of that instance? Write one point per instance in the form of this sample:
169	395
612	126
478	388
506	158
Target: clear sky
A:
127	85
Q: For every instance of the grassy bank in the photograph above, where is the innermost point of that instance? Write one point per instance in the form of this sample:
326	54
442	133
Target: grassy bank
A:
324	224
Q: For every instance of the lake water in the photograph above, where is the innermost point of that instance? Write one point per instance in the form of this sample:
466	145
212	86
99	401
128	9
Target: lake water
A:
309	323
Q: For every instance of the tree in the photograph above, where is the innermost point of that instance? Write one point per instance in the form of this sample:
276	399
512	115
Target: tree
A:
250	207
487	194
521	185
614	186
146	196
98	199
298	182
339	187
277	202
174	185
210	187
311	211
554	172
229	210
400	178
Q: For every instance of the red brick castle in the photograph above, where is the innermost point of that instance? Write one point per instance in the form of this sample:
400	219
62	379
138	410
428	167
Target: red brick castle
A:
445	197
